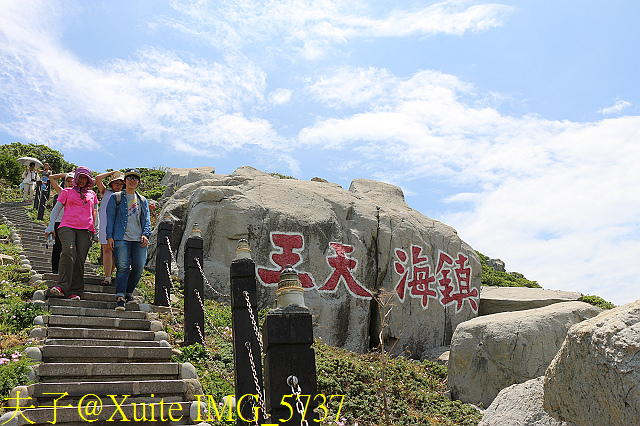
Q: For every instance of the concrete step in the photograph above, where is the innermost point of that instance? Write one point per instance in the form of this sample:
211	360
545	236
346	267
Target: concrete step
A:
133	388
178	411
89	277
101	342
96	322
55	353
53	301
107	372
94	288
93	312
96	333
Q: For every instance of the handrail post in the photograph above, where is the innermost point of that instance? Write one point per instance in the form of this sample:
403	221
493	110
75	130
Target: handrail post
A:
163	264
193	286
243	286
288	336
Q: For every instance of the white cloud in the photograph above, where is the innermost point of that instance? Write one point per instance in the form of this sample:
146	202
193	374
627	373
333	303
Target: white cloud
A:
558	198
280	97
191	104
618	107
312	28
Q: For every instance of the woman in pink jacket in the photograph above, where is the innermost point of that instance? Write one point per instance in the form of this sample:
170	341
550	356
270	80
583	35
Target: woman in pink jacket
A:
75	232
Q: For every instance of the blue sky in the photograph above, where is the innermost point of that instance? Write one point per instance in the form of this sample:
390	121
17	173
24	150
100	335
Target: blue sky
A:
517	123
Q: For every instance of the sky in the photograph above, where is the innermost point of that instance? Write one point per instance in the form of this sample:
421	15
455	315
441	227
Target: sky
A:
515	122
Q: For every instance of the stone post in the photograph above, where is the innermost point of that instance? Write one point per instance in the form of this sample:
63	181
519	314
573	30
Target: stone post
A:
243	281
193	285
163	264
289	359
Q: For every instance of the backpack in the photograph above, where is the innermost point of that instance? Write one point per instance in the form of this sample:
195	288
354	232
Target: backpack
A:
118	196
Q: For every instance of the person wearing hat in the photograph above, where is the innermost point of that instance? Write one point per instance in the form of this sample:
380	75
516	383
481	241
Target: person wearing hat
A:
128	231
76	231
115	185
55	217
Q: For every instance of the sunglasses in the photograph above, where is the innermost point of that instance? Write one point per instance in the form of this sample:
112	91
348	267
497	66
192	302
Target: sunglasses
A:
132	177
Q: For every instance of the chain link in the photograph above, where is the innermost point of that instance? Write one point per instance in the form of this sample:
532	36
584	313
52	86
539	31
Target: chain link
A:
295	390
209	321
206	280
256	382
170	308
253	320
206	348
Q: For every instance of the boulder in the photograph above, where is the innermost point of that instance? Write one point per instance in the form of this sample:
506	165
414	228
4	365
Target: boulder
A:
492	352
519	405
494	300
347	245
595	377
176	177
496	264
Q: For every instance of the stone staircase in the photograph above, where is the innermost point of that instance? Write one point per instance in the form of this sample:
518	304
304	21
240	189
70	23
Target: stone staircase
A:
97	364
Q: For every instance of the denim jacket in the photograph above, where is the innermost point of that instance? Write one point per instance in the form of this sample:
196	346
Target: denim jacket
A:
117	221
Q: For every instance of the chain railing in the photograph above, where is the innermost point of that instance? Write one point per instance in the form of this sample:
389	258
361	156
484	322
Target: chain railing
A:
295	390
256	382
210	321
253	319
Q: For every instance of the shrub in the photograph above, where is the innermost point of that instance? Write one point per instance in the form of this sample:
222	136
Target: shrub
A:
10	169
503	279
597	301
19	316
13	372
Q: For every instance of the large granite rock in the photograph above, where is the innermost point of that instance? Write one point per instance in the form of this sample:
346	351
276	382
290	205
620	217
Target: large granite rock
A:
347	246
595	378
492	352
519	405
494	300
176	177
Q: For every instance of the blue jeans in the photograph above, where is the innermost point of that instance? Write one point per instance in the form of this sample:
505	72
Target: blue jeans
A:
130	258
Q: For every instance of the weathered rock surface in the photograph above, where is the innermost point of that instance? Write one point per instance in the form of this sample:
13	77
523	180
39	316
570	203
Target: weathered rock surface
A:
494	300
492	352
347	246
595	378
519	405
177	177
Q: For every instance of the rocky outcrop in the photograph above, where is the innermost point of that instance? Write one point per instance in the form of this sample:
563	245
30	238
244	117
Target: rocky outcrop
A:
347	246
492	352
176	177
496	264
494	300
519	405
595	378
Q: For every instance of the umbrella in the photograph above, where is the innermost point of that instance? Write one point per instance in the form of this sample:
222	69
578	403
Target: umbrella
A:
27	160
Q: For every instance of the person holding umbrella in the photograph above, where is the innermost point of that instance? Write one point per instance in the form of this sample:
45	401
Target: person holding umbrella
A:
29	179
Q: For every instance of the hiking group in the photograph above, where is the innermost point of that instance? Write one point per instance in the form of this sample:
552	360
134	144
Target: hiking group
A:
121	224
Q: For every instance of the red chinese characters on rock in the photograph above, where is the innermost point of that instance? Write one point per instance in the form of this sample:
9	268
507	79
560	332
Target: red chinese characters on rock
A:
342	266
421	277
439	285
288	247
463	276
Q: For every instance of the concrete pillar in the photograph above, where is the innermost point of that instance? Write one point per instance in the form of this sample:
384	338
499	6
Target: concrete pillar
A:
288	336
243	281
193	282
163	264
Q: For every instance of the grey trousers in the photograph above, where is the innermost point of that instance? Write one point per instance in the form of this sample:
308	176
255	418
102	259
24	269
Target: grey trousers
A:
75	246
